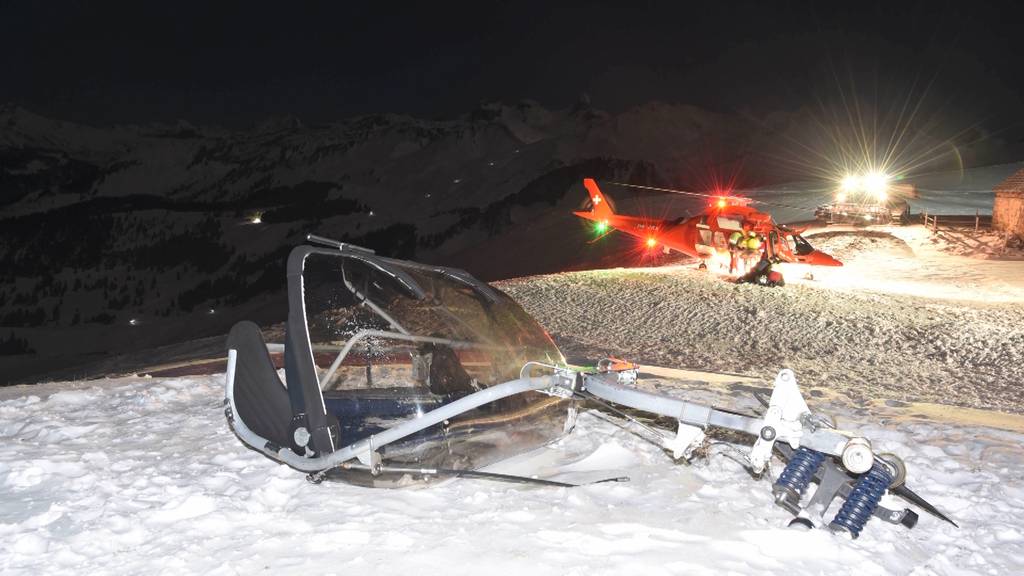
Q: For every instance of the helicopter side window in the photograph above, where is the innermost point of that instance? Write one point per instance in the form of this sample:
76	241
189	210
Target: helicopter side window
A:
729	223
705	237
720	241
802	247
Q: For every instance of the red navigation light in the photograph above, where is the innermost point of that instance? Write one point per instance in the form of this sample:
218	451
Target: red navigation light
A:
721	202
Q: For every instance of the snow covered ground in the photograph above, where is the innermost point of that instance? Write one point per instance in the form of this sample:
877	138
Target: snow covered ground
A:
914	261
887	326
133	475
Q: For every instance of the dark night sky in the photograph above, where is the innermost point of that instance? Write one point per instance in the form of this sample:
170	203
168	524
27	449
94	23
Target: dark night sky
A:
236	63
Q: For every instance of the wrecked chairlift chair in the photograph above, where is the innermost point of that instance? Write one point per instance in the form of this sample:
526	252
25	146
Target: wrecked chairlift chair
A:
399	373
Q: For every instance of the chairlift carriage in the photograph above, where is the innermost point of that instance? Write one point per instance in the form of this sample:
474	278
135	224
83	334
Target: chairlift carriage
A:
400	373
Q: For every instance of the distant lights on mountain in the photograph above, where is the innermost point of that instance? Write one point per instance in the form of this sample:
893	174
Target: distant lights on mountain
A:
256	218
133	322
371	213
457	180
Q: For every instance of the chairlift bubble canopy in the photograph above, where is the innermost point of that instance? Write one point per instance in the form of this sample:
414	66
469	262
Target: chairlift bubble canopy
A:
372	342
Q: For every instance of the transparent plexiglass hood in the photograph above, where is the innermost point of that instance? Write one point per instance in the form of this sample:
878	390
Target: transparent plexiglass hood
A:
391	340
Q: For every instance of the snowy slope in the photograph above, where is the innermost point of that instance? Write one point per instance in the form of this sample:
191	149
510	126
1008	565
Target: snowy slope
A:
135	475
142	475
882	328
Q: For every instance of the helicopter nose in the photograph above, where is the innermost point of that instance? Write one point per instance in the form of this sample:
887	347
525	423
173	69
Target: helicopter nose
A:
819	258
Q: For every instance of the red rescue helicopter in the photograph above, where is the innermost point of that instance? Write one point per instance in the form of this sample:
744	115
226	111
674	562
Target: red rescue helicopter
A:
706	236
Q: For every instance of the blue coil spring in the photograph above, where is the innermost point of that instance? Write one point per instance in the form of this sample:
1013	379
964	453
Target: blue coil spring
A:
863	500
800	470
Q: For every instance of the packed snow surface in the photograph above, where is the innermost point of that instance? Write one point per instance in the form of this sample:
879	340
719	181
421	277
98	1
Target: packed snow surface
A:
901	321
142	475
134	475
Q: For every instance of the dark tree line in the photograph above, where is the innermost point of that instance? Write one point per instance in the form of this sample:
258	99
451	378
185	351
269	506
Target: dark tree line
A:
13	345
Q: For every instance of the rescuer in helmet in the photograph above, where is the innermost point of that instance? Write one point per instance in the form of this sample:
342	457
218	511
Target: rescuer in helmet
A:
753	243
762	273
751	248
734	249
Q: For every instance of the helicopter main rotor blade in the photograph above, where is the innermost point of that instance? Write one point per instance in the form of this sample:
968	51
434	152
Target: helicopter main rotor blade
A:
706	195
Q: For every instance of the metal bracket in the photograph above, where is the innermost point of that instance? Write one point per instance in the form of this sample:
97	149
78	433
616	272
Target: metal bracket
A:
831	484
687	439
782	420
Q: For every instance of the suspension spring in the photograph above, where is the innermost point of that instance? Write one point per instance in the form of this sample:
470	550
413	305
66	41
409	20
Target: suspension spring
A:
863	500
797	474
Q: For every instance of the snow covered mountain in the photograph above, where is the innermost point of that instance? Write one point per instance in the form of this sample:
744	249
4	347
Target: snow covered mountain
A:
150	225
124	238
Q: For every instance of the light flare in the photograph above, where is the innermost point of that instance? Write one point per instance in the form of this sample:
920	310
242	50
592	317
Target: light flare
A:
876	183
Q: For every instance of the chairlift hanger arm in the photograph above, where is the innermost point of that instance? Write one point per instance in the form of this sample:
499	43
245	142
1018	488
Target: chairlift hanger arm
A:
607	387
787	420
794	429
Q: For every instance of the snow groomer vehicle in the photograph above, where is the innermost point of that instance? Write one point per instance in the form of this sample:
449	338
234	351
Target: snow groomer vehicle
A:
401	373
870	198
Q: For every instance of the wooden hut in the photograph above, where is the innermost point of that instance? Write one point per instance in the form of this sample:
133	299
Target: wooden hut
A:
1008	209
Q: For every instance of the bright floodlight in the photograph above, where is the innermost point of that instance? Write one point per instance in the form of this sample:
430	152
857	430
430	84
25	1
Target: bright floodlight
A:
876	183
850	183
